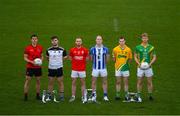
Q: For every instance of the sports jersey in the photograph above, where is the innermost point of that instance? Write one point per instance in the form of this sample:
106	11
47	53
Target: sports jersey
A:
79	58
122	56
99	56
145	53
33	53
55	55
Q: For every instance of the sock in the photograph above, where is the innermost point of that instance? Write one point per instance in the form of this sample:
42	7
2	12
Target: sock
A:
25	96
105	94
61	94
37	95
150	94
118	94
94	93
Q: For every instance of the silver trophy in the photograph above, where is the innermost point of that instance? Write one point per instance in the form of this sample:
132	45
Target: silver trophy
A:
46	96
132	96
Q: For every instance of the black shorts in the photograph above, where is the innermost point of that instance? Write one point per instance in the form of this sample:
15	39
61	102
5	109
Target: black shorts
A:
34	72
55	72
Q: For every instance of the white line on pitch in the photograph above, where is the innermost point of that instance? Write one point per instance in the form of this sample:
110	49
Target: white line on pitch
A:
116	24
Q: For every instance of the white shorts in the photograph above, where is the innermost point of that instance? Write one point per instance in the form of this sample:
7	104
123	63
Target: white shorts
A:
122	73
76	74
146	73
101	73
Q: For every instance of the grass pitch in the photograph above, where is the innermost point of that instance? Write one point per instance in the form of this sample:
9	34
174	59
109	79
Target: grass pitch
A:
88	18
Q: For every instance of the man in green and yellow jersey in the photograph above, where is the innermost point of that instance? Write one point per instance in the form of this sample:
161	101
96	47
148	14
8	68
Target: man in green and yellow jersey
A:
144	54
122	55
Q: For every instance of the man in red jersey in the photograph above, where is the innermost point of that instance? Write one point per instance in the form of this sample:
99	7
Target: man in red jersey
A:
32	52
78	56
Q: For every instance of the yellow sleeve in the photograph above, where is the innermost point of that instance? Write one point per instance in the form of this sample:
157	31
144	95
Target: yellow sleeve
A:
114	53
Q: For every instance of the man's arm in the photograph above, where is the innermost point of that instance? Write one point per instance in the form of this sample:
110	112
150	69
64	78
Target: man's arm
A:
42	57
113	56
129	60
130	57
136	59
107	58
27	60
65	56
87	55
153	60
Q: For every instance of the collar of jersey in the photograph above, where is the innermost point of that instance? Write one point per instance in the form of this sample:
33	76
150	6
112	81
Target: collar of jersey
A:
99	47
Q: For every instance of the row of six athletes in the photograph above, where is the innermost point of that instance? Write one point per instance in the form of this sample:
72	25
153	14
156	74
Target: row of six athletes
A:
99	54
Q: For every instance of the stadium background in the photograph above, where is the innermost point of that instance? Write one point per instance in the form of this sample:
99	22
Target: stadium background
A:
87	18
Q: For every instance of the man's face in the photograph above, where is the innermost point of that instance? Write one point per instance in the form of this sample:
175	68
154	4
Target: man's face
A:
34	40
99	40
144	39
54	42
78	42
122	42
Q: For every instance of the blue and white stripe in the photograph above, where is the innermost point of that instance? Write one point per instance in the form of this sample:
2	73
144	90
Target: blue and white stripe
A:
99	57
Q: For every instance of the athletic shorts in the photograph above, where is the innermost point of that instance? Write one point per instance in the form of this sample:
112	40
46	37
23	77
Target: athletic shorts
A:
37	72
76	74
99	72
147	73
122	73
55	72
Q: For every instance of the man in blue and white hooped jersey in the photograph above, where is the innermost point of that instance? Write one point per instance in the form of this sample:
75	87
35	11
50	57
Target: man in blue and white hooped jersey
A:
99	55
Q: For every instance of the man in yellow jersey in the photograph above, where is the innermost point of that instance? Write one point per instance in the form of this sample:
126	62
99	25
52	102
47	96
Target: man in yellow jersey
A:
144	53
122	55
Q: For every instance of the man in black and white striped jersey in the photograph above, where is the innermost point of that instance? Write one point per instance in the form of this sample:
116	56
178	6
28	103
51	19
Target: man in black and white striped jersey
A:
55	56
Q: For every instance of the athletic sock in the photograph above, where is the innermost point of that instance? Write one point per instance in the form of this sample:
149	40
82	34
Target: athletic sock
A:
118	94
105	94
61	94
150	94
94	93
38	96
25	96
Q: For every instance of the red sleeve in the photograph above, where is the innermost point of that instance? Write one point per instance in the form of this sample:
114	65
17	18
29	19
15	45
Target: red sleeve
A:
26	50
41	48
70	52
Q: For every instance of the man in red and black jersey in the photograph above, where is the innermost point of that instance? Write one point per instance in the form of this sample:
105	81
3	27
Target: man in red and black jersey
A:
31	52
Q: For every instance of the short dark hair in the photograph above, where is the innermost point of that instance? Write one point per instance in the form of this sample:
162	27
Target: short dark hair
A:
34	35
121	37
54	37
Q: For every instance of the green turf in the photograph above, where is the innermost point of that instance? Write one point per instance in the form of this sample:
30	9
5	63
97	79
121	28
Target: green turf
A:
87	18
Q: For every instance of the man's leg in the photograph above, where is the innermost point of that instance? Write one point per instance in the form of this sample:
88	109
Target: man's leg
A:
73	89
126	87
26	87
139	86
83	89
50	86
61	87
118	87
74	86
94	79
150	87
38	88
104	86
